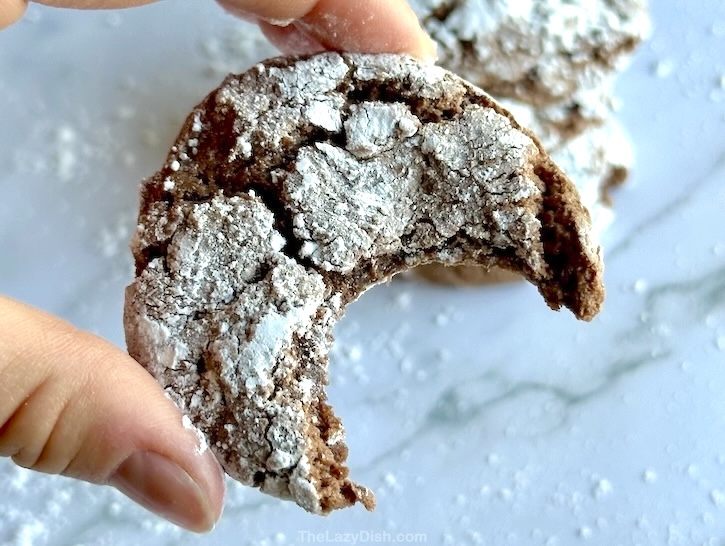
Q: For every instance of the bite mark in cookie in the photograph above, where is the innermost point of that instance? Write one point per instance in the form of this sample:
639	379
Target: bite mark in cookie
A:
598	159
291	190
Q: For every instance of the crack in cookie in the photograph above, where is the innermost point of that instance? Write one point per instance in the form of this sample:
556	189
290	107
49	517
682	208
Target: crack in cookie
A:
291	190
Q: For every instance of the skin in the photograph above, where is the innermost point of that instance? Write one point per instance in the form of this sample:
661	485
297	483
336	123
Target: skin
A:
74	404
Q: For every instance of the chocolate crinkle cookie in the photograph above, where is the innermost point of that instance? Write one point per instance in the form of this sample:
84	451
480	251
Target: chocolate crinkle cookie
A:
598	159
291	190
553	64
536	51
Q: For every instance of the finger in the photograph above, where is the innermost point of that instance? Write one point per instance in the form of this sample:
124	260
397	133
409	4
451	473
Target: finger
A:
281	12
290	39
11	11
94	4
369	26
73	404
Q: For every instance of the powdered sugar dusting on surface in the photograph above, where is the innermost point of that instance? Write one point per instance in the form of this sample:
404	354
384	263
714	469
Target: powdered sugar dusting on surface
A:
187	424
371	201
48	520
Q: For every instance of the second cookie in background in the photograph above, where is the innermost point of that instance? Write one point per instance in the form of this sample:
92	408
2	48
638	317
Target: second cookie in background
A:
553	63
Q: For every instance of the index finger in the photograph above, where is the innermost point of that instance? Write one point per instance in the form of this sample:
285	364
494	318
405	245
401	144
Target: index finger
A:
367	26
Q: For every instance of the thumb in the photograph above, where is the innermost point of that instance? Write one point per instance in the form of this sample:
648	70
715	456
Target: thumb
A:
73	404
11	11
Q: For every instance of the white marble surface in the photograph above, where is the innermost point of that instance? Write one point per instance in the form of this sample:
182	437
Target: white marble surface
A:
478	416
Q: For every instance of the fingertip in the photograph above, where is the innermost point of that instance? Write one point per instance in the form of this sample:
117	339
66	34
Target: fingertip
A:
11	11
81	407
427	49
369	26
364	26
171	471
169	490
177	476
191	491
209	475
280	12
290	39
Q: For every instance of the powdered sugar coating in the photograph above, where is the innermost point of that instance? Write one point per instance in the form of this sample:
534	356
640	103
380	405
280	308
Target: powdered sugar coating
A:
556	124
586	141
277	216
538	51
595	152
213	319
372	204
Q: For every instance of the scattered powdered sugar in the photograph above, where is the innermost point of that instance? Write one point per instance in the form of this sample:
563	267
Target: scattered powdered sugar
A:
403	300
391	482
43	511
18	478
717	497
29	533
65	153
69	147
113	237
640	286
603	488
229	49
663	68
442	319
353	353
649	476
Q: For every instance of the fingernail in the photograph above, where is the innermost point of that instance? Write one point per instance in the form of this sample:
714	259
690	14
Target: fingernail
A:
166	489
429	51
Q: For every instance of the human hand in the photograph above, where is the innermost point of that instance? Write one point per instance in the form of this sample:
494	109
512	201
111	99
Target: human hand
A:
366	26
300	26
73	404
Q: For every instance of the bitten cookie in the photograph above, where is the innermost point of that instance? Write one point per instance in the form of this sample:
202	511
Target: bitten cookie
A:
291	190
536	51
597	159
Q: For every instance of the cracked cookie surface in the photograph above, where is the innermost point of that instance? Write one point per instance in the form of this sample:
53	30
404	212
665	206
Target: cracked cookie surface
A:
292	189
597	159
